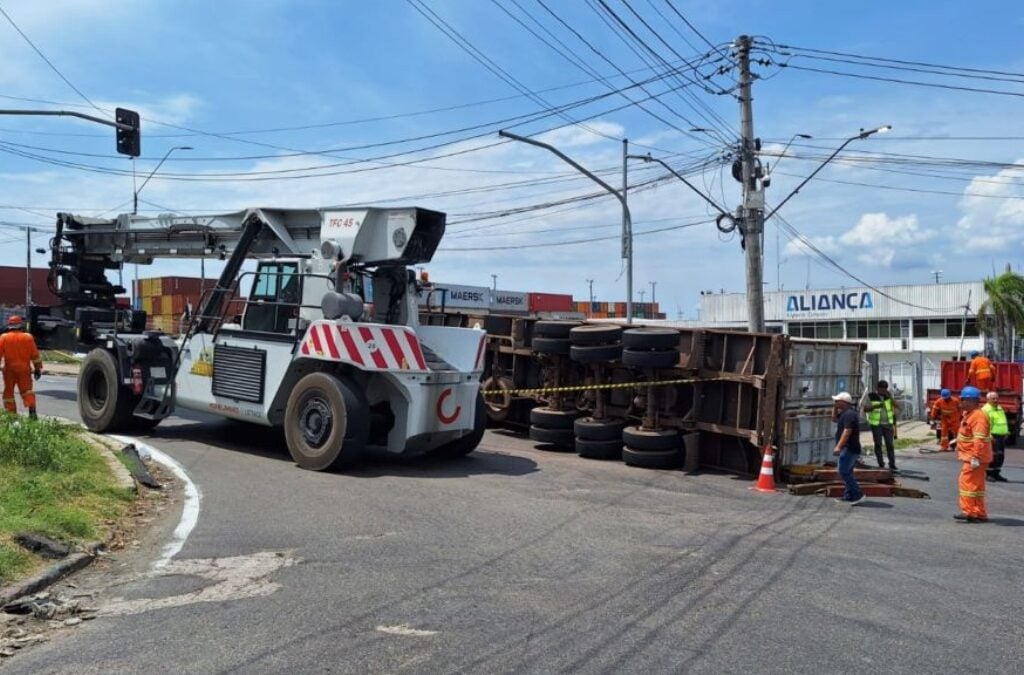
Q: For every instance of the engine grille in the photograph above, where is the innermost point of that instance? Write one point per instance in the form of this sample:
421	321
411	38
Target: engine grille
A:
238	373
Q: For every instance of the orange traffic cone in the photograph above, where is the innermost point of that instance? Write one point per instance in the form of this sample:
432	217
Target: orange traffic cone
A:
766	481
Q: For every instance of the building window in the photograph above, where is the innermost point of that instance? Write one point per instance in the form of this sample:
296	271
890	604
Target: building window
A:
818	330
874	330
945	328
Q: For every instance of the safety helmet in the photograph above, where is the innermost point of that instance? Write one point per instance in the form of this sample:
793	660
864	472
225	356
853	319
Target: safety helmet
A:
15	321
946	394
974	353
970	392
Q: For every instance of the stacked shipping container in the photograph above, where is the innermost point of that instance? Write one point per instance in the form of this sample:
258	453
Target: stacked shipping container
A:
166	299
617	310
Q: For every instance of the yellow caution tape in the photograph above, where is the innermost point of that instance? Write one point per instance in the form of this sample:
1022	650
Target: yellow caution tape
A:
587	387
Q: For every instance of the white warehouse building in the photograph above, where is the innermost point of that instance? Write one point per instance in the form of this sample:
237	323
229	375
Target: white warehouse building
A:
910	328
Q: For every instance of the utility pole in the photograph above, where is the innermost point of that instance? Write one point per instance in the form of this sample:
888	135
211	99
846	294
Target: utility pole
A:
653	285
752	209
494	280
28	268
627	234
590	283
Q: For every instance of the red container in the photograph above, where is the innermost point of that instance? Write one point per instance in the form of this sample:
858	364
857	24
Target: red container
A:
157	305
550	302
1008	376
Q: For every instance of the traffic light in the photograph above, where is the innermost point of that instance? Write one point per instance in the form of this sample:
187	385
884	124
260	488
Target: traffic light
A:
129	141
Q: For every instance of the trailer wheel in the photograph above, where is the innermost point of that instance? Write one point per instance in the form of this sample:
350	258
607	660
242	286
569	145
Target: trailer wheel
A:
599	449
103	403
325	422
461	447
595	334
652	459
554	329
559	438
590	429
658	339
500	406
595	353
552	419
546	345
652	439
642	359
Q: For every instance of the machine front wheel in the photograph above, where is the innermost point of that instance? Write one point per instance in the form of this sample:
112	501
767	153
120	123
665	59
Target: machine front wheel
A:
324	423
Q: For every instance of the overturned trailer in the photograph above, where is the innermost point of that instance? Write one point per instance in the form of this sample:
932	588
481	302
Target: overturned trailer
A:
664	396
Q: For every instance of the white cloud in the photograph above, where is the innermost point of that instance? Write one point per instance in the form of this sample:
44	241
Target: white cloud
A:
876	240
992	212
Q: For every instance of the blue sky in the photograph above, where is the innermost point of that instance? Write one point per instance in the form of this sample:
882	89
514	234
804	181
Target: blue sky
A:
235	73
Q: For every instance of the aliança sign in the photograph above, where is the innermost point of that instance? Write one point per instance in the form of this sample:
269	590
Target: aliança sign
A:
822	302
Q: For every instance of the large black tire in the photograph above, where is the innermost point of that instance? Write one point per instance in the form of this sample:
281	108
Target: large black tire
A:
461	447
103	403
650	339
589	429
595	353
594	334
554	329
561	438
545	345
639	359
652	459
326	422
553	419
652	440
599	449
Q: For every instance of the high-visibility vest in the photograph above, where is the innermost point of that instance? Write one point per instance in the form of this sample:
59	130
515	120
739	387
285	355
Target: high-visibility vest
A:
875	414
997	420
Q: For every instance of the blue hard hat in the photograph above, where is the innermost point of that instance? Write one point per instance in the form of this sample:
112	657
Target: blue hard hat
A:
945	393
970	392
974	353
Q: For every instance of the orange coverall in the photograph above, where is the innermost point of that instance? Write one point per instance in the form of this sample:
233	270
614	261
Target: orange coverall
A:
19	354
981	373
974	440
947	411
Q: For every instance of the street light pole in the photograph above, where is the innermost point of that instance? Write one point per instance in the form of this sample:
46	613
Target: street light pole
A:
627	219
494	282
859	137
590	283
135	193
653	285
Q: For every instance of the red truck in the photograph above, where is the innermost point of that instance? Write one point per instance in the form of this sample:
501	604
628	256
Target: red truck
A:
1009	384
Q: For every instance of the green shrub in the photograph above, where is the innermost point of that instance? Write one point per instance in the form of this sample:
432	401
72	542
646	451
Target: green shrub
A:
43	444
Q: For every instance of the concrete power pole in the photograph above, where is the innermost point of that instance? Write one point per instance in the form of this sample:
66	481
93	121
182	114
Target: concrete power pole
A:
752	210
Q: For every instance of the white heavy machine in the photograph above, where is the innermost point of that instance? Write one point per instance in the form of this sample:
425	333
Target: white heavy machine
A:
327	344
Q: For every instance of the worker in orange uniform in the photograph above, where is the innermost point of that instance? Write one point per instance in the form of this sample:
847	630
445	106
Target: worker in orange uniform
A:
974	449
981	372
21	362
946	411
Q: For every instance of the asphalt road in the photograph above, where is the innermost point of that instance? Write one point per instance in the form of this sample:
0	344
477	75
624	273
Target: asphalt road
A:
520	560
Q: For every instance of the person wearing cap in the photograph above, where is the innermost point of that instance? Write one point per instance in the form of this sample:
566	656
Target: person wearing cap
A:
974	449
21	362
946	411
1000	429
981	372
847	446
881	413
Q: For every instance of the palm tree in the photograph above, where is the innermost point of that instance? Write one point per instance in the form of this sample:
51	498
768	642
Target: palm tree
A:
1003	312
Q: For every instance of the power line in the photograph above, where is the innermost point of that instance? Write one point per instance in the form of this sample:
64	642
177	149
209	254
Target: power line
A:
49	62
514	247
894	80
903	62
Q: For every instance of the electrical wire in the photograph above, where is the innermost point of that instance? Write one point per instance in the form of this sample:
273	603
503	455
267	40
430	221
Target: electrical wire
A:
574	242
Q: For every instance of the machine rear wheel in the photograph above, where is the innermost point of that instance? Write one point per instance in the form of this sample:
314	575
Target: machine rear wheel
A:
325	423
103	403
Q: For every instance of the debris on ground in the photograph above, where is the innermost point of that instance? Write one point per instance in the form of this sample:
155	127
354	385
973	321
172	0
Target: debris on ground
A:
138	468
873	482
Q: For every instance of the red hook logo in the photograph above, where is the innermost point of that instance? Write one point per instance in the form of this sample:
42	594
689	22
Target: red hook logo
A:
446	419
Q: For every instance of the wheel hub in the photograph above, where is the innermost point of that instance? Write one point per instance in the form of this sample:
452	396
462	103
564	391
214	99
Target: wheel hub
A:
316	421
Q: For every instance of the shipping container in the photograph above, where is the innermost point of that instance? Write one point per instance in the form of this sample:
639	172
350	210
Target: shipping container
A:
510	302
819	370
550	302
456	297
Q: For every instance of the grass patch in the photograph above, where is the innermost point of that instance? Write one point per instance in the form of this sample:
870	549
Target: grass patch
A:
52	483
54	356
904	443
